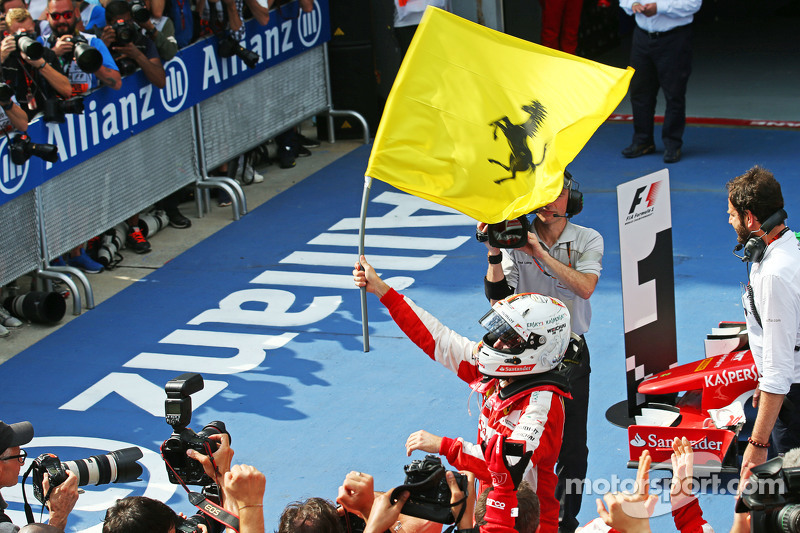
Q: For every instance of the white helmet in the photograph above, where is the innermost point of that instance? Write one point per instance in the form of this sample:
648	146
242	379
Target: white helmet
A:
527	334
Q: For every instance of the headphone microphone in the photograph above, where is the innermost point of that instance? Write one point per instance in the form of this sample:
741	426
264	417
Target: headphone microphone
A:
755	246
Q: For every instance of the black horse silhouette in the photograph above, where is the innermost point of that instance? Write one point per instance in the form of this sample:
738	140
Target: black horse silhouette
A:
521	157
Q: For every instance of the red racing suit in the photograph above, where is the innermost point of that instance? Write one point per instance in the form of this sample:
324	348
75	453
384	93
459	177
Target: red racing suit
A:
534	415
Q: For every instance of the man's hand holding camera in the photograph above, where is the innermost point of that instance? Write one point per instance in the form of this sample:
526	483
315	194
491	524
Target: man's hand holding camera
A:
357	494
9	46
384	513
222	458
62	500
64	46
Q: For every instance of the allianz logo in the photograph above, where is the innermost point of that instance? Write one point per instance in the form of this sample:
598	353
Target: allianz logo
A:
309	26
654	442
173	95
13	176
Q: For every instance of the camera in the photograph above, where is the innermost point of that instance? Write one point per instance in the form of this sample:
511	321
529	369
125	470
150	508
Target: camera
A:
125	32
6	92
88	58
429	492
228	47
119	466
352	523
26	42
772	497
126	65
191	524
178	411
139	11
55	108
21	149
106	251
507	234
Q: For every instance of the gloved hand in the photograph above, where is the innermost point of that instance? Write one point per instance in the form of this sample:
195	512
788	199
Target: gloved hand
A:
497	452
501	503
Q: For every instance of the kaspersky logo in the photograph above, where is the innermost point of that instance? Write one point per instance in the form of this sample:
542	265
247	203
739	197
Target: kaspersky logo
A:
173	95
309	26
13	176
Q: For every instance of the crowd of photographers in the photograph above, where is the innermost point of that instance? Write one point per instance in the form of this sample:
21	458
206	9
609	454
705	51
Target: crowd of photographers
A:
53	52
431	496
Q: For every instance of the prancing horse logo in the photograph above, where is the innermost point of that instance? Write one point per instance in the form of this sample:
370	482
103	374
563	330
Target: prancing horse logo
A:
521	157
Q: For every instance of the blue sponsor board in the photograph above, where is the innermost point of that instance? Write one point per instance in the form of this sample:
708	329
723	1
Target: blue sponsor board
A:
196	73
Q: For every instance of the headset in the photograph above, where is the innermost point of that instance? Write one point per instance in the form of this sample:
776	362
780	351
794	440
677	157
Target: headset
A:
575	198
755	246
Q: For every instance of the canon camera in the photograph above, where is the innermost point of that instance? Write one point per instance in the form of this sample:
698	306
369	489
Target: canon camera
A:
429	493
178	410
119	466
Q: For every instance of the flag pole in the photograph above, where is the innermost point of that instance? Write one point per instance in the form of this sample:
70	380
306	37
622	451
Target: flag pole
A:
361	232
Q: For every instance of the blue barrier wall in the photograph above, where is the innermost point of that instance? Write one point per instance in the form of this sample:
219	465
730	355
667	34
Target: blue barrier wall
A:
195	74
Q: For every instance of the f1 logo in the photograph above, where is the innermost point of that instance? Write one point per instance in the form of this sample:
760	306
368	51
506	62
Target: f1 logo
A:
651	196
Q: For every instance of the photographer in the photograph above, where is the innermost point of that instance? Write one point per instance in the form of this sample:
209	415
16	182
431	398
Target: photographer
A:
30	69
62	498
63	19
129	47
159	27
516	366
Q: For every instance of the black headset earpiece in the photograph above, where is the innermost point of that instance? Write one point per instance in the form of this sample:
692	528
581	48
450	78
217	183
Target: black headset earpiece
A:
755	246
575	198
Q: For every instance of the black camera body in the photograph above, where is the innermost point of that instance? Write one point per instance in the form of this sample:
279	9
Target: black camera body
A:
26	42
22	148
229	47
119	466
124	32
772	497
55	108
191	524
88	58
429	497
139	11
6	92
507	234
178	413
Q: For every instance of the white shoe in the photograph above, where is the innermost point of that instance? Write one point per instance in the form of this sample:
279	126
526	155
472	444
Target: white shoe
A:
257	178
7	320
4	332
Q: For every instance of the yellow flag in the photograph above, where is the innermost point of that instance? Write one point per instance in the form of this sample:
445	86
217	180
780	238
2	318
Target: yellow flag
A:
484	122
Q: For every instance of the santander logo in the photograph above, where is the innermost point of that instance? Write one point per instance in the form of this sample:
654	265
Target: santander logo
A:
638	441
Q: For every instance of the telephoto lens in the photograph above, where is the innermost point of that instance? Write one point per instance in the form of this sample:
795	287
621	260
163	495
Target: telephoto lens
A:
29	45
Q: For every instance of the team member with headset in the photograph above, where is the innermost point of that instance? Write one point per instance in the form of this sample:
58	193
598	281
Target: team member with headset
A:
562	260
771	302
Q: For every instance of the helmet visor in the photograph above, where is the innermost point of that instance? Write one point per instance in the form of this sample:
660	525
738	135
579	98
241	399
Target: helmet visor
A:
500	330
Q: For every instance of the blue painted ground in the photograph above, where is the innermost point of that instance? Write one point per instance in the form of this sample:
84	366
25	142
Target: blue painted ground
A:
312	406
